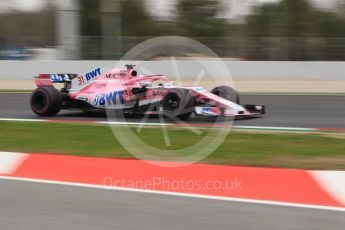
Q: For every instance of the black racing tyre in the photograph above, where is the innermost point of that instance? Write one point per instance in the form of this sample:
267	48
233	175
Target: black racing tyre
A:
227	93
46	101
178	104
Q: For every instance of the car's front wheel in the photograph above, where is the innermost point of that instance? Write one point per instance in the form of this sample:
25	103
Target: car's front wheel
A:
178	104
46	101
227	93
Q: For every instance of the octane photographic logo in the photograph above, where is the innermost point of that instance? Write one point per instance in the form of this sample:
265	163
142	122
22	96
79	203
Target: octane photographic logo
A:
158	140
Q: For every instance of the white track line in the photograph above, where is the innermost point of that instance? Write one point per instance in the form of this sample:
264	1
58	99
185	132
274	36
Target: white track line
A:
275	128
91	122
129	123
13	92
160	124
252	201
26	120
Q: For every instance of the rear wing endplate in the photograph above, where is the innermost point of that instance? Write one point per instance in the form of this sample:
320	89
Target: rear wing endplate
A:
49	79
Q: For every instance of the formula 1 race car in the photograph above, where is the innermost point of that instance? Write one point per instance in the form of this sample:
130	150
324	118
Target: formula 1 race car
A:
126	91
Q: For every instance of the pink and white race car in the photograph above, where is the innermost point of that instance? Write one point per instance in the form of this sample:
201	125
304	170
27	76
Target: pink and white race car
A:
124	90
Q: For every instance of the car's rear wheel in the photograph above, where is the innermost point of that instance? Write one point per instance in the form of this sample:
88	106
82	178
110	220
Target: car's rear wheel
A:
46	101
227	93
178	104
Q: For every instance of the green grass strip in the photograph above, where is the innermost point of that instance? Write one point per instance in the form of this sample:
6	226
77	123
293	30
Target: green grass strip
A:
266	149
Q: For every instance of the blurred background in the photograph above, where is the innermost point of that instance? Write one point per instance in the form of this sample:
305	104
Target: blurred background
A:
277	30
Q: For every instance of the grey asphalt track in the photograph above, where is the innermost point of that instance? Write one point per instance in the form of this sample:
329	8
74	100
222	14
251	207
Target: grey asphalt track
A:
33	206
282	111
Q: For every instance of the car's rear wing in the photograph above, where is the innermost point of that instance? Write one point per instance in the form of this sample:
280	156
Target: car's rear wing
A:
48	79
